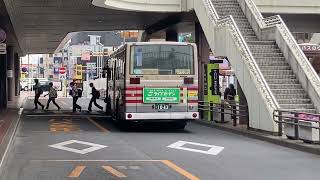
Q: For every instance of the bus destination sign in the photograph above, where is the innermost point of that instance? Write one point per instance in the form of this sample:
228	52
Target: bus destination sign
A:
161	95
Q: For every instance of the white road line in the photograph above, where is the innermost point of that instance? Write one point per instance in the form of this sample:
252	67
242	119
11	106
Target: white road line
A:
93	146
213	150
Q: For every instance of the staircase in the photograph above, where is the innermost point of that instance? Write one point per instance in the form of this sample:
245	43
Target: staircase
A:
282	81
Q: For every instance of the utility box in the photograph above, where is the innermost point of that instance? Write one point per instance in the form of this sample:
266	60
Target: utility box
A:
308	134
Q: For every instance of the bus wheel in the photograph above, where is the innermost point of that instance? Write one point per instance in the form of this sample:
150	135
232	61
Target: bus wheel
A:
180	125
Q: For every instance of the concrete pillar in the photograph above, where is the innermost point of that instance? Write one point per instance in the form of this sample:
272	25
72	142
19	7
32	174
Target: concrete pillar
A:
242	102
3	81
17	74
203	55
10	73
171	35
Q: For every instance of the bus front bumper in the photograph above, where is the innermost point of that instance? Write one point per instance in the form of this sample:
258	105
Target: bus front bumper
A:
163	116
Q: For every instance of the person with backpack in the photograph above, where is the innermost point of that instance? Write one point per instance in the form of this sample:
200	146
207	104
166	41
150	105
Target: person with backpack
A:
95	96
52	96
230	93
75	96
37	91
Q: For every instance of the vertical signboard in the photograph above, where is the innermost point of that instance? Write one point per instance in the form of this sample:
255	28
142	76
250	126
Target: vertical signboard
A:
215	81
212	88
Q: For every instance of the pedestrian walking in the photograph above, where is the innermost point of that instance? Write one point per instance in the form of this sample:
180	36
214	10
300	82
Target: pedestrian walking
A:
95	95
75	96
37	91
229	96
52	96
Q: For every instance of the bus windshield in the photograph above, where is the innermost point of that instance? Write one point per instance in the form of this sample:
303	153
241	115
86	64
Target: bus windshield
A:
161	59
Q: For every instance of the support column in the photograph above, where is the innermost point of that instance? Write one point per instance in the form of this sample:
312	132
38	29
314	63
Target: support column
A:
3	81
17	74
242	102
10	73
203	55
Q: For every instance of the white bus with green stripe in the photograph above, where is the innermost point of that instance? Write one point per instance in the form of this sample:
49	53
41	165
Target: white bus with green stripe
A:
154	81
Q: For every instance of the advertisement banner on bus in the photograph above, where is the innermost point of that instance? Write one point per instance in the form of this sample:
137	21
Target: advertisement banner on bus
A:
161	95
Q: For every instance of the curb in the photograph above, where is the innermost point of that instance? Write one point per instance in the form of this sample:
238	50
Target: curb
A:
8	138
264	137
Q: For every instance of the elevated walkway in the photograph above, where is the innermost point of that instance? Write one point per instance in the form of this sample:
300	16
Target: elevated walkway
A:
288	6
270	67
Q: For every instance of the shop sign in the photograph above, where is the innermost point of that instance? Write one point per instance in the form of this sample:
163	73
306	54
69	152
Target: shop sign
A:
161	95
215	81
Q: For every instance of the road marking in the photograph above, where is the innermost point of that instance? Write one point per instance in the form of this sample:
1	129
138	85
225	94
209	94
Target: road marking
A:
64	125
98	125
76	172
62	146
179	170
114	171
213	150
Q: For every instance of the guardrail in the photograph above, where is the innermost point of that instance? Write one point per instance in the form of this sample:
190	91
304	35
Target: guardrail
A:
297	119
224	108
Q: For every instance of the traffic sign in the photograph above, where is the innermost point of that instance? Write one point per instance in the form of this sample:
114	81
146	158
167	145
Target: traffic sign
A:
3	48
62	70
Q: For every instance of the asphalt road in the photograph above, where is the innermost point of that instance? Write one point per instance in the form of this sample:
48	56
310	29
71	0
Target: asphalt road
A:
60	145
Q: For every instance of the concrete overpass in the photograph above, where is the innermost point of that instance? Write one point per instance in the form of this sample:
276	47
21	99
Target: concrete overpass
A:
40	25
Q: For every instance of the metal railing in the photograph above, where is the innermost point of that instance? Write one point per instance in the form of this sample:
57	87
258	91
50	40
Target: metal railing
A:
224	108
294	118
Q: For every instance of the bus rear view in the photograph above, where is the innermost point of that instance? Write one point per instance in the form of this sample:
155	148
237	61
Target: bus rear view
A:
161	83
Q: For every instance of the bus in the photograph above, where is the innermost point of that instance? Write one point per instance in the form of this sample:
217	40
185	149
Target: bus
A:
153	82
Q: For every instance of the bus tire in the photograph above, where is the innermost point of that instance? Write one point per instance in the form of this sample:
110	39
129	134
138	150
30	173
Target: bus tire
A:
180	125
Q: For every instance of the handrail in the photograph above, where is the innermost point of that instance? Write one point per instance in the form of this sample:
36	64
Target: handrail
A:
233	109
281	117
301	58
261	82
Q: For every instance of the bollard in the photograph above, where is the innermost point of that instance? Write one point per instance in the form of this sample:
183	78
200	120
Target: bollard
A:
296	126
222	112
211	111
280	123
234	114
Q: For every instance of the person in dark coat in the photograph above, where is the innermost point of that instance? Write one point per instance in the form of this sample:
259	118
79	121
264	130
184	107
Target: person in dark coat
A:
95	96
37	92
230	93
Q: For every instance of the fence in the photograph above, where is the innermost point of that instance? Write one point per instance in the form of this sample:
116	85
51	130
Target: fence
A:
298	120
224	108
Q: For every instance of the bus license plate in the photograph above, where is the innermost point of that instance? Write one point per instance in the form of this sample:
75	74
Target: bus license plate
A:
162	106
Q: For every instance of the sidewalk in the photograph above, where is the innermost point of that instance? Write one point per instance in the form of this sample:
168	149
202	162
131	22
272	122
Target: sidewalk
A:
9	119
282	141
